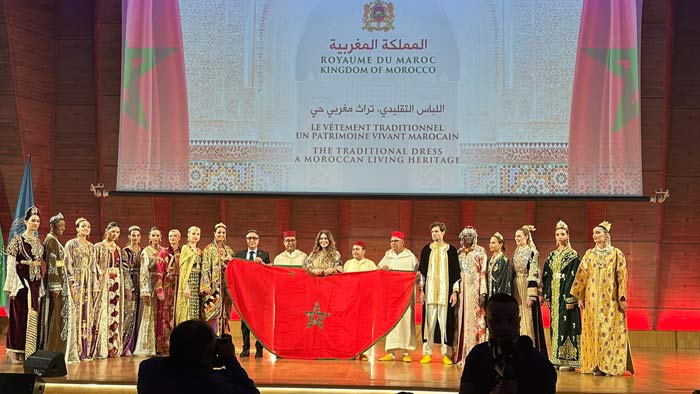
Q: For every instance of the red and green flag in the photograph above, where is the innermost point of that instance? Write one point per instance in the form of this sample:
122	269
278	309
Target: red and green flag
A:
154	121
605	132
296	315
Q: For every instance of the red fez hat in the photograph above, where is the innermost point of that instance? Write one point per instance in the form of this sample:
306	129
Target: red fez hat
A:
360	243
397	234
289	234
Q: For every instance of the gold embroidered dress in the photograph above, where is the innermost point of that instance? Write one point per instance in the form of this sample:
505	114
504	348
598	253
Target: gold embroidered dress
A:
148	275
525	285
190	272
23	282
557	279
80	261
601	282
216	299
323	260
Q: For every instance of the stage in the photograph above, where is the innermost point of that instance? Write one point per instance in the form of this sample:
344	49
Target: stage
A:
659	370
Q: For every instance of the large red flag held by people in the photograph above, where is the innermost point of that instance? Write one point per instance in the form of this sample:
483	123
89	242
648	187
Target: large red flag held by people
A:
296	315
605	130
154	122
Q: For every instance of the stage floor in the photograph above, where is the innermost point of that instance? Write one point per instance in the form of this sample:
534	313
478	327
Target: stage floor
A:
658	371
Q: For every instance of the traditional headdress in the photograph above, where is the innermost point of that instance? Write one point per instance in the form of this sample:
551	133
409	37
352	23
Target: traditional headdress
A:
289	234
501	241
31	211
398	234
134	228
219	225
111	225
499	237
56	218
562	225
363	244
469	230
79	220
530	229
605	225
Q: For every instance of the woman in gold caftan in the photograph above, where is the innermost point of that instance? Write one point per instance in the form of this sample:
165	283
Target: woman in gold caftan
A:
190	275
601	288
216	300
324	259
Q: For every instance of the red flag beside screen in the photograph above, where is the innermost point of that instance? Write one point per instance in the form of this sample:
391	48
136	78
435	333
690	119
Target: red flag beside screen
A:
154	122
605	138
296	315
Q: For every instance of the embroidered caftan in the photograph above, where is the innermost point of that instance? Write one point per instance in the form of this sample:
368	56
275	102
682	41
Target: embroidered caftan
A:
557	279
601	282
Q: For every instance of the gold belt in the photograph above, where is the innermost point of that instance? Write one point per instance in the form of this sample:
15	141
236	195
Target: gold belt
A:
34	269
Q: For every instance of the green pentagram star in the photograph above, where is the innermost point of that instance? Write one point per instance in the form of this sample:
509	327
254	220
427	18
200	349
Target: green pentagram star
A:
316	317
137	62
623	63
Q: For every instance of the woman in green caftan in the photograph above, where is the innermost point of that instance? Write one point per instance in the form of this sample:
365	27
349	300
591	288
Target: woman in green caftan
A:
557	279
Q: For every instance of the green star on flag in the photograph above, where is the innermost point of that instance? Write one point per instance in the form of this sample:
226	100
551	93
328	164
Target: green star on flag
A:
623	63
316	317
137	62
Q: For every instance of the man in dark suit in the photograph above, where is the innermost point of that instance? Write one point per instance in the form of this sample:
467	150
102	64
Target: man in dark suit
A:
260	256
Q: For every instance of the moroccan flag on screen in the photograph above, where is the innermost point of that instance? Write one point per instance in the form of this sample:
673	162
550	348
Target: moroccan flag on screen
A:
605	138
296	315
154	128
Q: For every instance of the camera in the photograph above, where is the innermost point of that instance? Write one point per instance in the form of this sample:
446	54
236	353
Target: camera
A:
506	351
223	348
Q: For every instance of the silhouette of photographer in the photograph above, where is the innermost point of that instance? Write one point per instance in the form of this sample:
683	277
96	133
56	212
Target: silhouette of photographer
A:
508	363
198	362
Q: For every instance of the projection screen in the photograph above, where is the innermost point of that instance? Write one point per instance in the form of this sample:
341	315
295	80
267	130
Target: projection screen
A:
404	97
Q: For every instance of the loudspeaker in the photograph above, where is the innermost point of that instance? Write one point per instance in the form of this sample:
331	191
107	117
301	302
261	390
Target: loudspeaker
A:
45	363
21	383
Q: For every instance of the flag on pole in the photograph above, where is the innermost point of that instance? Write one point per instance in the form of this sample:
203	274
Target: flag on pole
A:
25	199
